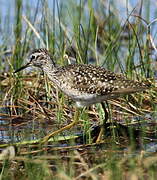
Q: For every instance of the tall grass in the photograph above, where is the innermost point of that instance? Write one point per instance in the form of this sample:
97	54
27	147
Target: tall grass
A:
100	36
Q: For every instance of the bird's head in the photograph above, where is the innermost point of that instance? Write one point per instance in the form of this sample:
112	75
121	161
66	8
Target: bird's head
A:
38	58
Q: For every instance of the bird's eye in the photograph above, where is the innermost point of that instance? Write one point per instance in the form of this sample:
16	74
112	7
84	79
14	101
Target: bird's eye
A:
32	57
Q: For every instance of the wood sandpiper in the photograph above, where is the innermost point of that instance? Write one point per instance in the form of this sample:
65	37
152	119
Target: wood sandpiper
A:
85	84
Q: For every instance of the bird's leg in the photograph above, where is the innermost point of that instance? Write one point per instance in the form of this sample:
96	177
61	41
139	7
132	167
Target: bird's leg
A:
104	122
106	112
74	122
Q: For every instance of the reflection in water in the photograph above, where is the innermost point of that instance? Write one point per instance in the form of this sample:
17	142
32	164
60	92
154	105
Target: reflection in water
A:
4	129
15	129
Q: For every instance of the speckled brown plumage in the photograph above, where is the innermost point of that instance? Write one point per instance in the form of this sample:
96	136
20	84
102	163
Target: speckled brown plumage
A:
85	84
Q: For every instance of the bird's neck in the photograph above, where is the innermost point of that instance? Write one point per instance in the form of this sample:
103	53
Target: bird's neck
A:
49	70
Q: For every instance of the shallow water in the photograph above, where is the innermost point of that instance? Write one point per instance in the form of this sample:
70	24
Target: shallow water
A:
16	129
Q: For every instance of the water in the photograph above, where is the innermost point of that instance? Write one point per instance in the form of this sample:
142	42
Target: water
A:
121	10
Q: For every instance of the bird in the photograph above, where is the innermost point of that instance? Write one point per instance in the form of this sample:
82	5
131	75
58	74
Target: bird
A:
85	84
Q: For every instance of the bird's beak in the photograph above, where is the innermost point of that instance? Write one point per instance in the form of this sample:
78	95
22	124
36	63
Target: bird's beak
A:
23	67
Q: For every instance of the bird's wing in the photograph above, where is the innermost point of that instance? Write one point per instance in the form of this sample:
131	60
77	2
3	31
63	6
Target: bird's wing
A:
97	80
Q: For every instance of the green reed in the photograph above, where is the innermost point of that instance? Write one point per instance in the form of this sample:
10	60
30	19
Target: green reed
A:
123	47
